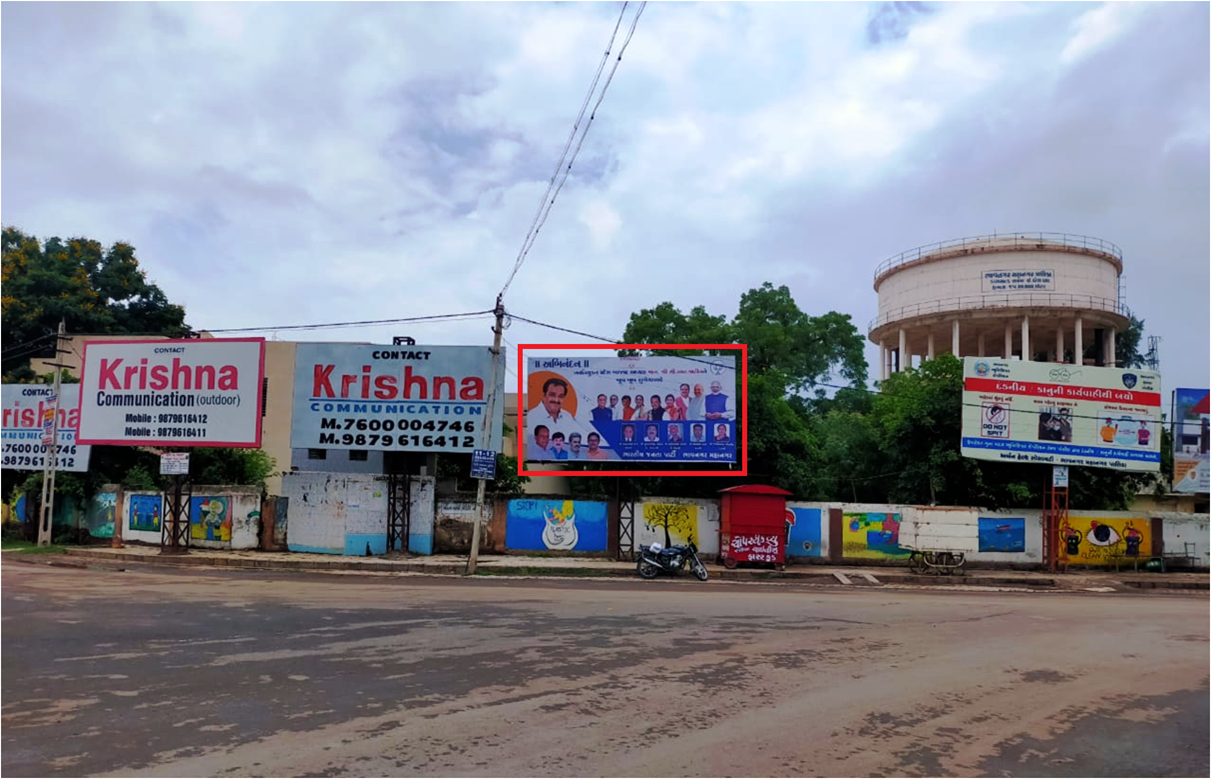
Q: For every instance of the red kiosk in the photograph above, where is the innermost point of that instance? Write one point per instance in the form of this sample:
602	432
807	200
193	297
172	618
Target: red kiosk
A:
753	526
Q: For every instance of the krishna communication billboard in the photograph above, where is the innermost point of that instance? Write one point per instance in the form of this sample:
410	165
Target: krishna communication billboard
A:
394	398
1061	414
1191	434
28	411
630	409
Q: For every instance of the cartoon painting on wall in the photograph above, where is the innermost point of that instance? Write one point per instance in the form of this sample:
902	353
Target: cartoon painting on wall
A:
672	523
556	525
145	512
999	534
805	532
210	519
872	535
1098	540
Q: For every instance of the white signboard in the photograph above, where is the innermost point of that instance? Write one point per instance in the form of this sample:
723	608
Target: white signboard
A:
1059	476
28	411
1019	280
195	392
174	464
395	398
1059	414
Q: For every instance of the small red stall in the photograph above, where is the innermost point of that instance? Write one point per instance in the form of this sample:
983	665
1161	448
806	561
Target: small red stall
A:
753	526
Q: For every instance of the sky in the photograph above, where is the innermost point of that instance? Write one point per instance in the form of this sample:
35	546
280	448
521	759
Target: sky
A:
297	163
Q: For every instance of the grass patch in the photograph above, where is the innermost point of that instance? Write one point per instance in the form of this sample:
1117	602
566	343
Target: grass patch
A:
27	547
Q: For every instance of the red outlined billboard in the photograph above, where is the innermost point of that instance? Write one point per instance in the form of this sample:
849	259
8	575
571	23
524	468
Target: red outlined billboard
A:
190	392
732	420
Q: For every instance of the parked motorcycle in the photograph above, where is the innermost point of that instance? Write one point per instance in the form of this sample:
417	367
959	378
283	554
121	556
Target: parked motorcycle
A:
655	560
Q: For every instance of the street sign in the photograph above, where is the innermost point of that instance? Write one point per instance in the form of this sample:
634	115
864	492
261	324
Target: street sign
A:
483	464
174	464
1059	476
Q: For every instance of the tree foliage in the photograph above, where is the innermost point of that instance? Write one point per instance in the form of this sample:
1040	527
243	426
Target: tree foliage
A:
95	290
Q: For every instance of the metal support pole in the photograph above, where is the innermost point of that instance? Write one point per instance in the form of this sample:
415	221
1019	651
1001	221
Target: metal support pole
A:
51	462
486	431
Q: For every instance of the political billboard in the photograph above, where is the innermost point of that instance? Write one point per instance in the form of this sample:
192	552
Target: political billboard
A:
395	398
26	409
191	392
1059	414
1191	436
630	409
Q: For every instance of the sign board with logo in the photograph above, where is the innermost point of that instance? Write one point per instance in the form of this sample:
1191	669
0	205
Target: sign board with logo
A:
174	464
633	409
483	464
1059	476
28	417
190	392
1191	438
394	398
1057	414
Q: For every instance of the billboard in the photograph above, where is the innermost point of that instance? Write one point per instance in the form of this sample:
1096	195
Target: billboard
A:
193	392
630	409
26	408
1060	414
1190	441
394	398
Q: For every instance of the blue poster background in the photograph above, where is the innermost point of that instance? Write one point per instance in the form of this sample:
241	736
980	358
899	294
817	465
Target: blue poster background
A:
804	539
527	520
998	534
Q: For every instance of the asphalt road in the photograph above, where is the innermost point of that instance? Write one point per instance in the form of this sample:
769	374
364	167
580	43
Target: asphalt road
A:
226	674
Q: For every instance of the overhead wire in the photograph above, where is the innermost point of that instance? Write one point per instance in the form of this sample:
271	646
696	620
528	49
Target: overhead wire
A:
545	205
363	323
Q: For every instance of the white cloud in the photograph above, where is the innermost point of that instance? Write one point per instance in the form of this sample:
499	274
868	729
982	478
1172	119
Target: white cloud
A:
1097	28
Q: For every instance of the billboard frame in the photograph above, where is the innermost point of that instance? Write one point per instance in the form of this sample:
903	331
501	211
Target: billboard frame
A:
742	406
168	442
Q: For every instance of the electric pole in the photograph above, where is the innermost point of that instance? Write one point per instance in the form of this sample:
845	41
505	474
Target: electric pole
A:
51	445
485	433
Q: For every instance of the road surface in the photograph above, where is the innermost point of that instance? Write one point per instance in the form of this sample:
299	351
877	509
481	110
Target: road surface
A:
200	673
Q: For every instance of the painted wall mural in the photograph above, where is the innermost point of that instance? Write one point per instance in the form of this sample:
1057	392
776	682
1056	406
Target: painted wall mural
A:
556	525
805	532
144	512
101	514
1000	534
210	518
680	520
872	535
1098	540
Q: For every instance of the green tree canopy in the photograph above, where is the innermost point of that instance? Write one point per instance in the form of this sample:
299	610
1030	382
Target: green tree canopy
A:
94	290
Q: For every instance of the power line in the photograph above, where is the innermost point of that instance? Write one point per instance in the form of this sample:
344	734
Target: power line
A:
364	323
545	205
30	342
563	329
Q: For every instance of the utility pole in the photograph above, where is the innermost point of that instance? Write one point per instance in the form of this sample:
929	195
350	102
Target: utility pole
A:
51	461
485	433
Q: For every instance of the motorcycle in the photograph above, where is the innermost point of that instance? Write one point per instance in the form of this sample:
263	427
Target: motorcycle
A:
655	560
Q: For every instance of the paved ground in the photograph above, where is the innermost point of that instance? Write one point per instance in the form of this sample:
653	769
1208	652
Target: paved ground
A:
230	673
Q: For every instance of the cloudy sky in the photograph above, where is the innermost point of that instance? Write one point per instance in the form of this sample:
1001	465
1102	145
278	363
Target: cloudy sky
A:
284	163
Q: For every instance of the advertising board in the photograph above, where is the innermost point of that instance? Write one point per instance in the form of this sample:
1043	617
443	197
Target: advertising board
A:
191	392
1191	436
26	409
630	409
1061	414
394	398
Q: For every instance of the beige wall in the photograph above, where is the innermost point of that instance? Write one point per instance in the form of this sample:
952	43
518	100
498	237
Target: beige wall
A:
275	424
932	282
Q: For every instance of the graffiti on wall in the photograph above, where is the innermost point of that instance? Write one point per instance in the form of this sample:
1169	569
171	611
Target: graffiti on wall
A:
805	532
679	521
999	534
1098	540
556	525
210	519
101	515
872	535
145	512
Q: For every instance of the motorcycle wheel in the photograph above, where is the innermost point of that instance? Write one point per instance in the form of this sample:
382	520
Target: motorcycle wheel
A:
647	570
699	570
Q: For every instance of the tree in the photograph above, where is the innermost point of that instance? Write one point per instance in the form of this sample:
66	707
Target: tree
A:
95	290
671	518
